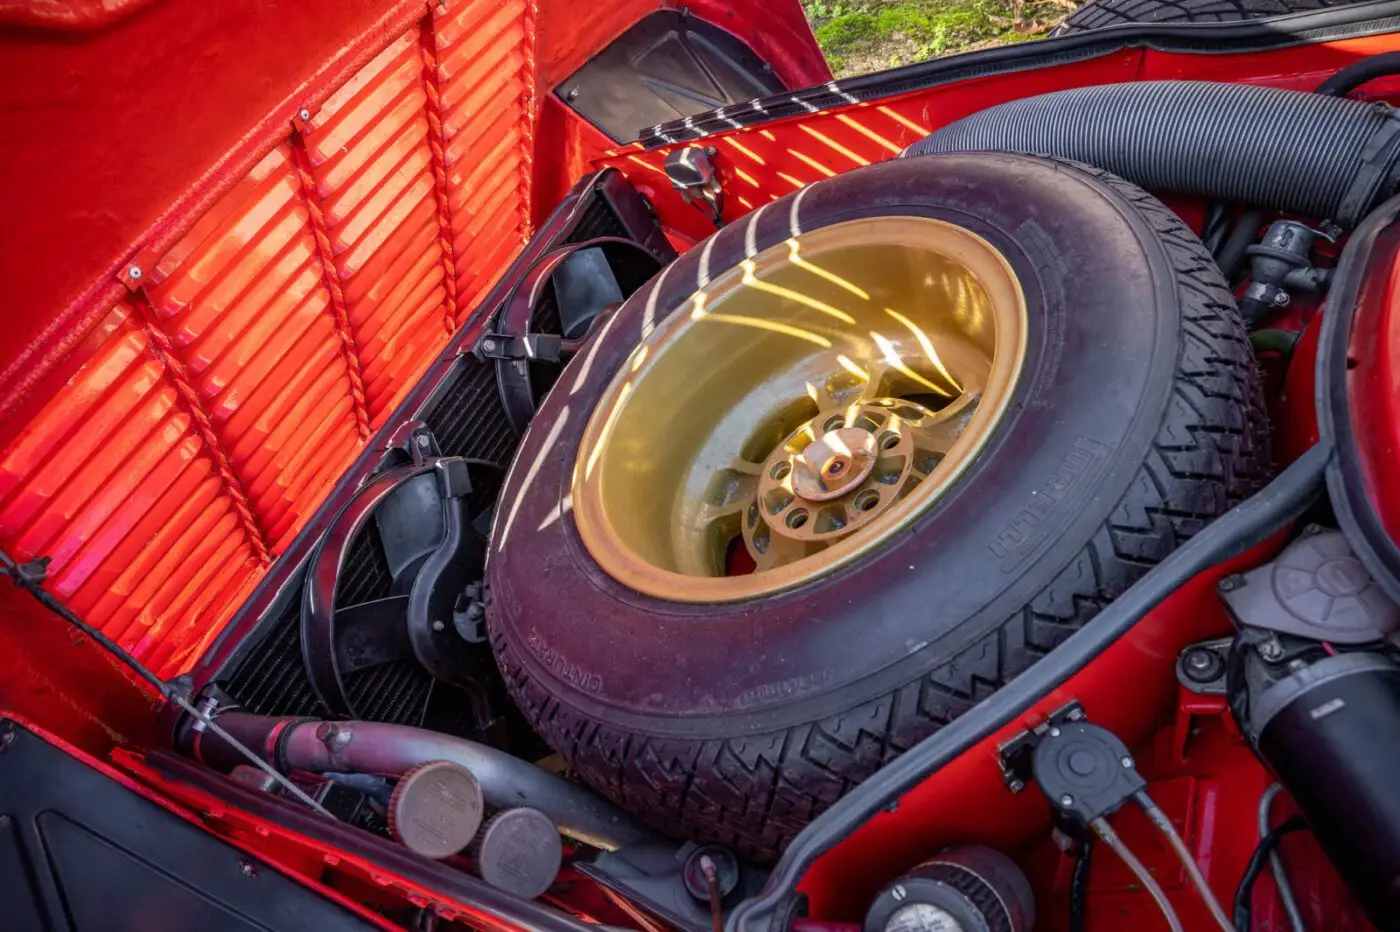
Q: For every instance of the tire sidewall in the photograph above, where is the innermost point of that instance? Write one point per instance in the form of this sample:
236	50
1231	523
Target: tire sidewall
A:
1098	374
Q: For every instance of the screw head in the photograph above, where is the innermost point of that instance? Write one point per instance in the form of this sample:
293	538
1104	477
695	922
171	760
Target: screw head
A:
1271	650
134	273
1281	299
1016	786
422	441
304	114
1054	732
1127	763
247	869
898	892
488	345
1066	800
439	626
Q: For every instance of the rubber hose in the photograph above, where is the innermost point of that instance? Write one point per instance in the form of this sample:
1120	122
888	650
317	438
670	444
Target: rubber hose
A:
1309	154
1358	73
392	750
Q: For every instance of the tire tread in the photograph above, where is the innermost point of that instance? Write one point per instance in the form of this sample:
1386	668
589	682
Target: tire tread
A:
757	792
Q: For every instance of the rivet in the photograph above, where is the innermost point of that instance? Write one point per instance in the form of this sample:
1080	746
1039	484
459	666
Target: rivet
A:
1066	800
304	114
134	273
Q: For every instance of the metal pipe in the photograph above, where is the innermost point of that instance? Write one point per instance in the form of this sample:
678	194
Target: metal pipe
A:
392	750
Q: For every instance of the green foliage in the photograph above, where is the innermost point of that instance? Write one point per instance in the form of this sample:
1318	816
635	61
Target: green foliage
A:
862	35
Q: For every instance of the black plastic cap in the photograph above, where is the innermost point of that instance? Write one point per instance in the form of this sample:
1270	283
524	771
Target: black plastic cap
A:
1085	771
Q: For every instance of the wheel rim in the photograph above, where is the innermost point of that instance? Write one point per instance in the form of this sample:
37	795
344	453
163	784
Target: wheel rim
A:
802	409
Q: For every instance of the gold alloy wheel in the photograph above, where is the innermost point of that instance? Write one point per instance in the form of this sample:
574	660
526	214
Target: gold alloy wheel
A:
803	408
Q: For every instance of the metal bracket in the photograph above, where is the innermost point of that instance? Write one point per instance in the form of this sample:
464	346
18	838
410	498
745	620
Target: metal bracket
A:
1014	756
416	439
692	173
1200	667
544	347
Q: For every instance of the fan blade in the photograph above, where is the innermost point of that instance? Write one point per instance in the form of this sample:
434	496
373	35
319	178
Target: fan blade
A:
410	522
371	634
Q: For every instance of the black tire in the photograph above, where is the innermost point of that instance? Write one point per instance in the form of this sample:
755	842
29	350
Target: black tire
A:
1137	420
1103	13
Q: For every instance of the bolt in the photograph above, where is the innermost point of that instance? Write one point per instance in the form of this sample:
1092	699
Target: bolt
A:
439	625
247	869
333	736
1016	786
1054	732
1198	660
304	114
134	273
423	441
488	345
1127	763
1229	583
1075	715
1066	800
1281	299
1271	650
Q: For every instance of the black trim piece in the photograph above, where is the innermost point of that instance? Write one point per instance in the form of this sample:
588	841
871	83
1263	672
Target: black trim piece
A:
319	653
454	885
1357	516
80	851
1278	32
512	323
1244	526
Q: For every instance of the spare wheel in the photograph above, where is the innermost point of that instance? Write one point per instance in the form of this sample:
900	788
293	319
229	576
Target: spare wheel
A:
849	466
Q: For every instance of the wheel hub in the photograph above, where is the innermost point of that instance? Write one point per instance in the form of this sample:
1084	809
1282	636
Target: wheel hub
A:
835	473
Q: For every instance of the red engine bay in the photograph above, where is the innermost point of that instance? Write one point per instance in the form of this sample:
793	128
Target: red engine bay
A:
282	274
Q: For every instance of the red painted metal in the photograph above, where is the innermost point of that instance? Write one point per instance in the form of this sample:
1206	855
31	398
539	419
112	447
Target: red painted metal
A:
176	445
1373	382
967	801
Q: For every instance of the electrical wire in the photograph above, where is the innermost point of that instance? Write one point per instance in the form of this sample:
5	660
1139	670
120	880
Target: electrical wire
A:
1183	854
1285	889
26	579
1149	883
1079	887
1245	893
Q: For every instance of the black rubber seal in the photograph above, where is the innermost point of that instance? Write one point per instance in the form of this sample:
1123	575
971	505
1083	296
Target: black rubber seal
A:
1357	516
1330	24
1244	526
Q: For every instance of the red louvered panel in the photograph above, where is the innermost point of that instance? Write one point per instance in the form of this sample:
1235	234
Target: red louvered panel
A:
485	61
244	301
209	414
373	170
111	480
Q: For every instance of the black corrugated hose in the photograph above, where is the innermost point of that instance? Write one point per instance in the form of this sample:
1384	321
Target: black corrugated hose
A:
1314	155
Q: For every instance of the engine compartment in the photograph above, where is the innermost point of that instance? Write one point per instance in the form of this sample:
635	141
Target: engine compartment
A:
405	530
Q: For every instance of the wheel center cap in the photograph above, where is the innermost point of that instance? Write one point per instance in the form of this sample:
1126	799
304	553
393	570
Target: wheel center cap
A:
833	464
